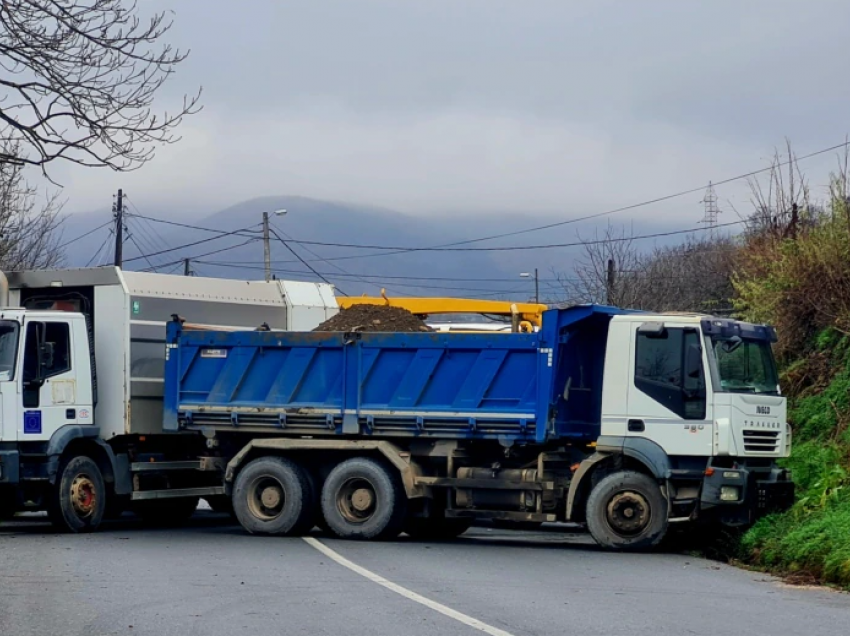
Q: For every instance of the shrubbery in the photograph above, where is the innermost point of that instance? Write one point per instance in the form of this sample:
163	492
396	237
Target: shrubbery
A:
798	279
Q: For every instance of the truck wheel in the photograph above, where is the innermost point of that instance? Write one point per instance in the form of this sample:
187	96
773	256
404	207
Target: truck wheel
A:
78	500
626	511
436	528
273	496
166	512
362	499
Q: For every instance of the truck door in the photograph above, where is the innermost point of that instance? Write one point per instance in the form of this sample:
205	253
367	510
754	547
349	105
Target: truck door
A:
48	381
667	390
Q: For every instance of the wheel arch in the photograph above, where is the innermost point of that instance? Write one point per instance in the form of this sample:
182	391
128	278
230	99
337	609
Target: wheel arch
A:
73	440
615	454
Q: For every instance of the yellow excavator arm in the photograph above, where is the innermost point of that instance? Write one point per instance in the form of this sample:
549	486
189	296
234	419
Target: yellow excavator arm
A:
423	307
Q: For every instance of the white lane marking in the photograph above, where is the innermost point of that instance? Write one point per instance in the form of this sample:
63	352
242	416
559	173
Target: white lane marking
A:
403	591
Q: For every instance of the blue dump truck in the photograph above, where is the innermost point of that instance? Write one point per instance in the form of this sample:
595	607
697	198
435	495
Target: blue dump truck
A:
627	422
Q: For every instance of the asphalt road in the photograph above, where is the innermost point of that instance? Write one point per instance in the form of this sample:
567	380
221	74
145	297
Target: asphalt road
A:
212	579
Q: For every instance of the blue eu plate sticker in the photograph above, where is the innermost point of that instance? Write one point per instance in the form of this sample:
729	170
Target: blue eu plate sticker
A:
32	422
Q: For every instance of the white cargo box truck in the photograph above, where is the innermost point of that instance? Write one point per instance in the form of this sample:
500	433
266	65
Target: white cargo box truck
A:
105	331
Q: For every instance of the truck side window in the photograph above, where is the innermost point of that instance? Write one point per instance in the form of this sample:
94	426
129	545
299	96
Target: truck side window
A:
60	335
660	372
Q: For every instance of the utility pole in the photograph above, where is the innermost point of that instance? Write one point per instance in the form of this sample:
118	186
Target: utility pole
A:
609	283
267	247
536	287
119	229
187	271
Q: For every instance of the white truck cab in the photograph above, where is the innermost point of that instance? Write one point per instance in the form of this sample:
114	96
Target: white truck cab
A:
45	374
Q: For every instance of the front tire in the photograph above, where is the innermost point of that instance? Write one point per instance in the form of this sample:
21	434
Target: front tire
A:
364	499
272	495
77	502
626	511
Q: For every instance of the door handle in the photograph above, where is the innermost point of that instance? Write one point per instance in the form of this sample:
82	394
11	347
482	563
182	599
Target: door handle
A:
636	426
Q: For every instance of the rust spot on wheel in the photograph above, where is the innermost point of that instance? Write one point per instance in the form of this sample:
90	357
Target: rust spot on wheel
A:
84	496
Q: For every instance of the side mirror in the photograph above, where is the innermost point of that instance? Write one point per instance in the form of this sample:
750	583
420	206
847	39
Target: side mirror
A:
693	361
45	357
733	343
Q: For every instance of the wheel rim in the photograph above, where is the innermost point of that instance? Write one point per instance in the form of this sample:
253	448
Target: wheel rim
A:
266	498
628	513
84	496
357	500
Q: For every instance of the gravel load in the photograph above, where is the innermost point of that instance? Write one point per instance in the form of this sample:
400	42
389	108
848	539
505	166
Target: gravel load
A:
377	318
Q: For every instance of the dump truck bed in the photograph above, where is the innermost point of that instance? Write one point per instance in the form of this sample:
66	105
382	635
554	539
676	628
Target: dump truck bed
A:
506	387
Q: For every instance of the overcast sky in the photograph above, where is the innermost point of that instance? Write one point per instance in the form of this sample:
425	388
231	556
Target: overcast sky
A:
550	107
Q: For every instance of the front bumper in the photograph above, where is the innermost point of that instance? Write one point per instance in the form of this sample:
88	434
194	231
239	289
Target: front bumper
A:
761	492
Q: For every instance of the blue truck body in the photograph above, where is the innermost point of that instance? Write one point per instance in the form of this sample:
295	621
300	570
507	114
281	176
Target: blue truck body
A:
505	387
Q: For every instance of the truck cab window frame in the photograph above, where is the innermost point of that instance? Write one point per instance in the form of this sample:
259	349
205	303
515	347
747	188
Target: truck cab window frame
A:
58	333
661	373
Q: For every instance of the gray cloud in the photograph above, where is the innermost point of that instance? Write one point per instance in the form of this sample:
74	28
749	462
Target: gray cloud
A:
542	106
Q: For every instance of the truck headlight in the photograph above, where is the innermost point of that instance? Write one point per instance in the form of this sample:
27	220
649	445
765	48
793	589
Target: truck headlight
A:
730	493
731	474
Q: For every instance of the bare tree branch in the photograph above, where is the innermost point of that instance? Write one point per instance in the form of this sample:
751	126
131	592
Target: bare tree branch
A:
29	232
78	80
694	276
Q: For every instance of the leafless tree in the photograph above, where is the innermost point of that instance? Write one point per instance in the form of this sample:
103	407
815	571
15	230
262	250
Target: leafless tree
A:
29	236
589	281
78	80
694	275
781	203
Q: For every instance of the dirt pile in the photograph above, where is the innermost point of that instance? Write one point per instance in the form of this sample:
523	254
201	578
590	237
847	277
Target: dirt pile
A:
374	318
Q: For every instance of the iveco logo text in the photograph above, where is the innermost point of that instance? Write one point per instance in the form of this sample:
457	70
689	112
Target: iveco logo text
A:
763	410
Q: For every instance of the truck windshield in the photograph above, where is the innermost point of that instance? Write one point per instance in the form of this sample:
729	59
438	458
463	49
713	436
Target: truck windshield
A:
745	366
8	349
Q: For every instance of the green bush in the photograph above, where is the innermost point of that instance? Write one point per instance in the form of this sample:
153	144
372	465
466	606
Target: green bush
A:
813	538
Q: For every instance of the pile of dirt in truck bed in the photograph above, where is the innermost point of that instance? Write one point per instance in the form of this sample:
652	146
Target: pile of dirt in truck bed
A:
374	318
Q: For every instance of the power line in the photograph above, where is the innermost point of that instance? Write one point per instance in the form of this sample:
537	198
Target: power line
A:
192	244
257	265
448	246
96	255
218	251
511	248
194	227
133	241
305	263
321	258
662	199
82	236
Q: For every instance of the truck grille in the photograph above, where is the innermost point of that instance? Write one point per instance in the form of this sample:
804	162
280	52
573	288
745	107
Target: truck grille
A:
756	441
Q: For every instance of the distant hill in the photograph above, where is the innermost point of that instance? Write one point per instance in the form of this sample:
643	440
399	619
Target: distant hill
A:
493	274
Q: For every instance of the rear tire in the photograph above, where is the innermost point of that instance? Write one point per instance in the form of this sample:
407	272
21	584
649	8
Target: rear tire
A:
166	512
273	495
364	499
77	502
626	511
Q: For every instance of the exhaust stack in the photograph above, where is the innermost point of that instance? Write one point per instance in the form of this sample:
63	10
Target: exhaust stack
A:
4	290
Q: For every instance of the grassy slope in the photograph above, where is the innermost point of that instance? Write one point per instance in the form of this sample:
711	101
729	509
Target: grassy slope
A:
812	540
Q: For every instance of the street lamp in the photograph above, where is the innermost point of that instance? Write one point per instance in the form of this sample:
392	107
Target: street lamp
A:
266	244
536	284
